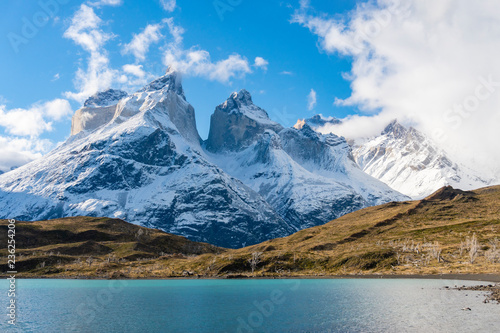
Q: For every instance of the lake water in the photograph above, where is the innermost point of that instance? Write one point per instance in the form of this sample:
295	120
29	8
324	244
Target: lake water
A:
378	305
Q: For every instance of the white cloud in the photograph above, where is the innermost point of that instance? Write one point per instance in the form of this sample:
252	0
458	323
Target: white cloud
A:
15	152
176	31
261	63
107	3
168	5
85	31
35	120
425	61
286	73
356	126
134	76
139	46
24	122
135	70
311	100
56	77
57	109
197	62
26	126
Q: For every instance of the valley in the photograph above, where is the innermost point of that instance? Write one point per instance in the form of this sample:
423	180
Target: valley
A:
449	232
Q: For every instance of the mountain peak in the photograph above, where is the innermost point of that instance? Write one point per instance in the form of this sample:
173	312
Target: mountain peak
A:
407	160
170	70
97	110
306	129
105	98
450	193
395	128
317	121
171	81
237	101
243	97
237	123
320	119
241	103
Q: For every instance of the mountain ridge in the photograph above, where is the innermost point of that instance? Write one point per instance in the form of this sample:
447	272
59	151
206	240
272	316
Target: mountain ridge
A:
428	237
405	159
308	178
142	160
411	163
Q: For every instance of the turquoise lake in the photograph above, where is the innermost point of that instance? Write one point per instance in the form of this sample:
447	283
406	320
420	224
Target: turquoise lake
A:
350	305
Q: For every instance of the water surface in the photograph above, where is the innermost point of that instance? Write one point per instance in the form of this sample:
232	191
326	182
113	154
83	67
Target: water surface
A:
377	305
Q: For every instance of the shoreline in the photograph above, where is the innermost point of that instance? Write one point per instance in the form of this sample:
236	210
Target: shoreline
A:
493	278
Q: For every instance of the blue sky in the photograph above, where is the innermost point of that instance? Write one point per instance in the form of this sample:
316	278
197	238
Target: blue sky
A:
43	66
367	61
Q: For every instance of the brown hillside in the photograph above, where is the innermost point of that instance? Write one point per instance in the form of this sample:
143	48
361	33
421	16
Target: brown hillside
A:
451	231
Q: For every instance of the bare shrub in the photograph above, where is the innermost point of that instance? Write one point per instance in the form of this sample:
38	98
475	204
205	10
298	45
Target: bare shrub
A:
89	261
255	260
473	248
436	250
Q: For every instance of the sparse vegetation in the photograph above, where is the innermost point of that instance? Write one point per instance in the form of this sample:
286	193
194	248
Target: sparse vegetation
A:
450	232
255	260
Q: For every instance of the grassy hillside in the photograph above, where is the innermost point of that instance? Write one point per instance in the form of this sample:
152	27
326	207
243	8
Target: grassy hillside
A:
450	232
89	246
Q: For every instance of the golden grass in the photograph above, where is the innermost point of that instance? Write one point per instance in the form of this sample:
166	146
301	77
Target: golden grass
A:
431	236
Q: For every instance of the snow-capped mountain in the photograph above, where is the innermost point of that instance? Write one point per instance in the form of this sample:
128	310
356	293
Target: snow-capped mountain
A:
410	163
317	121
97	110
146	166
237	122
308	178
105	98
140	158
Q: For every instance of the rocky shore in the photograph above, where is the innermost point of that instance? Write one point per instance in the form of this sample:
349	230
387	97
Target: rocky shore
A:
493	291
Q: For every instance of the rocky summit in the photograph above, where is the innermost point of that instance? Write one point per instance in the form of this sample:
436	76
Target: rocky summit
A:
140	158
307	178
405	159
411	163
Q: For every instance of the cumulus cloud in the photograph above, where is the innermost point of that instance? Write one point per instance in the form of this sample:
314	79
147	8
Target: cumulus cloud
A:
261	63
168	5
35	120
24	122
135	76
139	46
85	30
135	70
356	126
197	62
311	100
15	152
56	109
432	63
